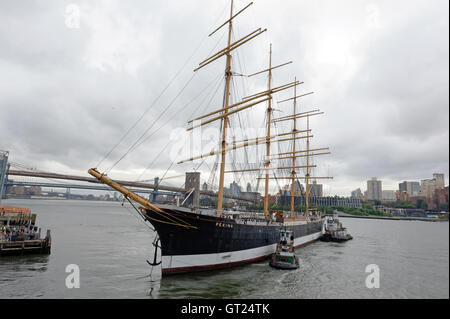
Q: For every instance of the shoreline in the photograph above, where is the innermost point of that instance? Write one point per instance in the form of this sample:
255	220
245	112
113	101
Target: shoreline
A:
424	219
341	214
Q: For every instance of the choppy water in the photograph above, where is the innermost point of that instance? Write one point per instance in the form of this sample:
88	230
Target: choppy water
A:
110	244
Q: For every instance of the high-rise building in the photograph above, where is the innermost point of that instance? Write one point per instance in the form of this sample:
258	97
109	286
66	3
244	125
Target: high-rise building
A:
374	189
298	188
440	181
356	193
315	189
415	188
402	196
249	188
440	198
388	195
235	189
429	186
412	188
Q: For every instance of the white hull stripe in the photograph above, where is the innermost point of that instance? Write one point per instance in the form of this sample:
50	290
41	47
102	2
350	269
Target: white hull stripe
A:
171	263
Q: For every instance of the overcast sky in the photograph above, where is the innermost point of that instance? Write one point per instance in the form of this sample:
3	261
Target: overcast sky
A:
75	76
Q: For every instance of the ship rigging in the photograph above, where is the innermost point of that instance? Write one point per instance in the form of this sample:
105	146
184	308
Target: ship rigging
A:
193	238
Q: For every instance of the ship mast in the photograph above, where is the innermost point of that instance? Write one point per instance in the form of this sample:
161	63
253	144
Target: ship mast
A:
269	118
228	109
305	153
307	171
293	154
225	117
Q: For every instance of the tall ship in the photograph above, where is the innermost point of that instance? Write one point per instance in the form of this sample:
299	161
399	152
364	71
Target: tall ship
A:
195	238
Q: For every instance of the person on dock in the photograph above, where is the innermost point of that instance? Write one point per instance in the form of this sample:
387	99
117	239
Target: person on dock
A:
4	236
14	234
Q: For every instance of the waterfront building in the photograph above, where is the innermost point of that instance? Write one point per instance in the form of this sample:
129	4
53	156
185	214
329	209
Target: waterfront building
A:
403	196
429	186
254	196
415	188
298	188
412	188
272	199
419	201
388	195
316	189
357	193
285	200
374	189
24	191
440	199
235	189
439	180
390	210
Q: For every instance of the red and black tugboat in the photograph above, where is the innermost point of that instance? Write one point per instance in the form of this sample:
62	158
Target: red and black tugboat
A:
284	257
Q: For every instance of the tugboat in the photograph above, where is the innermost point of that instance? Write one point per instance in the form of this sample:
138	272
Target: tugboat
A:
284	257
333	230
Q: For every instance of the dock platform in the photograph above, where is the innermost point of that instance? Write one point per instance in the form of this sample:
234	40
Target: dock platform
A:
24	247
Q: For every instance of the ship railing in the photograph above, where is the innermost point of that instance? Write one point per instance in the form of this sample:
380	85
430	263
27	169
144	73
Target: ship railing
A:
262	222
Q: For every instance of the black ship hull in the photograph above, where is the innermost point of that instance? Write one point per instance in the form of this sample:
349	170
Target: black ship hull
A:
195	242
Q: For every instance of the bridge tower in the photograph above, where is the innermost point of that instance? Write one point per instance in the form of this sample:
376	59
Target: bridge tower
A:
155	190
3	168
193	182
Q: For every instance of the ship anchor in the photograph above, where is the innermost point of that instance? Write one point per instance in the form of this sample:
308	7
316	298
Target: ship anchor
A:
154	263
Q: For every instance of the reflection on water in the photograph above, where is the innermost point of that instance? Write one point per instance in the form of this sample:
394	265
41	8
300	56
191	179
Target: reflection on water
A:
18	272
111	245
21	261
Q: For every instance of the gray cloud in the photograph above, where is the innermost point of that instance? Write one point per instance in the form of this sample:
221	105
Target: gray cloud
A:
379	70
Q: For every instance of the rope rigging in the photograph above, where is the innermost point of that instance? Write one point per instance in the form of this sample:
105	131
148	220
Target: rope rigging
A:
171	81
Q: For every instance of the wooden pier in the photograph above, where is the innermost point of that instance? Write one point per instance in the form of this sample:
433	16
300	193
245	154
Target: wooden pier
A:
24	247
19	235
18	219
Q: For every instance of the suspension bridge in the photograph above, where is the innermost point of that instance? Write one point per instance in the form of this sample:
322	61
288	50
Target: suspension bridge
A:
89	183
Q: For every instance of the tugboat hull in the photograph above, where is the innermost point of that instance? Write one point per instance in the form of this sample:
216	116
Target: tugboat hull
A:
282	265
331	238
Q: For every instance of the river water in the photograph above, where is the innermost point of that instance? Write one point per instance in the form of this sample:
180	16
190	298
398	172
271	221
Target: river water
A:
110	244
